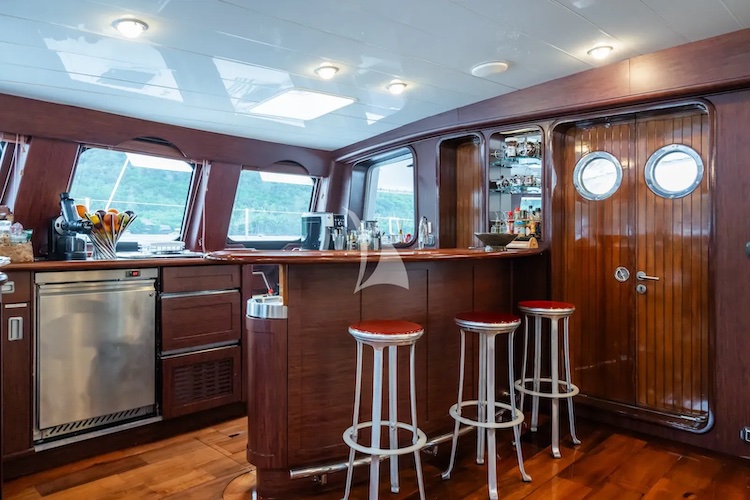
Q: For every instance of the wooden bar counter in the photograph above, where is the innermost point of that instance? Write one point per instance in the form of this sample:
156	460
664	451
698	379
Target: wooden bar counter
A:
301	369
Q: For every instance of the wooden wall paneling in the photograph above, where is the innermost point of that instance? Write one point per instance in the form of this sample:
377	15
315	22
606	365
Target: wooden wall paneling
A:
731	270
322	359
208	222
42	119
47	171
447	179
471	187
267	393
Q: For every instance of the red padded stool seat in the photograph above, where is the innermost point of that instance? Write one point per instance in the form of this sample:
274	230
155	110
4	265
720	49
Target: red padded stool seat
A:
386	327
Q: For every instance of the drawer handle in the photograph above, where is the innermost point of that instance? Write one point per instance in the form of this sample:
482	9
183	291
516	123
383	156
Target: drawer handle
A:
15	328
8	287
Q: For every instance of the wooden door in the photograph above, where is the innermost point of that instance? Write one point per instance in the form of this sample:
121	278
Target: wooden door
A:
643	351
672	241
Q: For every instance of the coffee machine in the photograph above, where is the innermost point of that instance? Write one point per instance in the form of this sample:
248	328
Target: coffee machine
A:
64	243
317	228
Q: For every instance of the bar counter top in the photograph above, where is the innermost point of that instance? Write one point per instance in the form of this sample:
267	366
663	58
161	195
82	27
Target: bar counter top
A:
343	256
248	256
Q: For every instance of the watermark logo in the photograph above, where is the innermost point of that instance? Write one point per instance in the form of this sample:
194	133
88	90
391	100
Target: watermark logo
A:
389	268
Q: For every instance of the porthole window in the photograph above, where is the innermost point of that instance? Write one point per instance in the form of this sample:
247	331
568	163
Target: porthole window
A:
597	175
674	171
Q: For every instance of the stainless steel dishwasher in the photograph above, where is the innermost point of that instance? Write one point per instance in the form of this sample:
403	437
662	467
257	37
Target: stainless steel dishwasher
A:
95	350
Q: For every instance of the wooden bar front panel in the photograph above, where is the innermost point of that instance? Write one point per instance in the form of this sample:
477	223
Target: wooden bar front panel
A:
195	320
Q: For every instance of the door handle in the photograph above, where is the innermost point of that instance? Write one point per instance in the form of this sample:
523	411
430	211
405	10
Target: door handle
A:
640	275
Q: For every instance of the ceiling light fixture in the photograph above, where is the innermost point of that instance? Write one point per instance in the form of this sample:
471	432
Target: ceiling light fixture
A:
396	87
327	71
600	52
300	104
489	68
130	27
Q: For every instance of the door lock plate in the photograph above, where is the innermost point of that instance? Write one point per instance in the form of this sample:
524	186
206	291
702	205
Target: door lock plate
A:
641	288
622	274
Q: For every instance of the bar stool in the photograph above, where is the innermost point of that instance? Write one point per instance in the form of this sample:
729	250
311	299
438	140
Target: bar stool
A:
379	335
488	325
554	311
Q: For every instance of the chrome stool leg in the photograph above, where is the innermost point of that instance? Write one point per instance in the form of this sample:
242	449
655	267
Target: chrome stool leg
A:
392	415
537	372
447	473
516	428
571	418
525	356
413	401
489	416
482	397
554	358
355	433
377	396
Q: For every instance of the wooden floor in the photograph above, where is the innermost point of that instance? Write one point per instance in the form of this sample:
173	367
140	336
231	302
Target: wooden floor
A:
210	464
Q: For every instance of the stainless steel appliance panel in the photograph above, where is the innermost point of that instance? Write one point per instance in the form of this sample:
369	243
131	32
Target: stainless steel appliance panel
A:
96	349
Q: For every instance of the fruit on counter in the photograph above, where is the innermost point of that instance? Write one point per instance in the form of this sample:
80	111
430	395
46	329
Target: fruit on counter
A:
108	226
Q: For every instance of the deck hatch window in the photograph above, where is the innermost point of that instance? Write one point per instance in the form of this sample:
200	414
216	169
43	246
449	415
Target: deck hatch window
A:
268	206
153	187
389	196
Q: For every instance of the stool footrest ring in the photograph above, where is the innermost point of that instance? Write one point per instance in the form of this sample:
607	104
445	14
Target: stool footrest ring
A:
475	423
519	384
350	440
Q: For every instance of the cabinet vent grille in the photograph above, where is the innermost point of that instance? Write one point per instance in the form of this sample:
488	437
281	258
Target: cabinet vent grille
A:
203	381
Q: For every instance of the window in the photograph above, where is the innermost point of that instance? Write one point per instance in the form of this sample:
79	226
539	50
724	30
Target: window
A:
155	188
389	196
597	175
268	206
674	171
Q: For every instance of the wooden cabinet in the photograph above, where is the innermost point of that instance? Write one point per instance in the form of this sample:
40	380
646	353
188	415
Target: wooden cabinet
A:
201	320
201	380
16	337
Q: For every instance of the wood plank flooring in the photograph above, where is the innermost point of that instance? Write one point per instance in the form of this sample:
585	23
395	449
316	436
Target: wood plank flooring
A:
210	464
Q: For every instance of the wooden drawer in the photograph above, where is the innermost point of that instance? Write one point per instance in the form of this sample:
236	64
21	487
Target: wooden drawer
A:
199	381
17	288
199	278
196	320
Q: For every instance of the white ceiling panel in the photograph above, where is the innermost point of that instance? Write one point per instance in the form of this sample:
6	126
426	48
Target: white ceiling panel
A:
206	63
696	19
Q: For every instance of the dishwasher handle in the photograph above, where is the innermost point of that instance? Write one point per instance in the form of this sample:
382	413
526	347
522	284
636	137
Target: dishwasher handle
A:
98	287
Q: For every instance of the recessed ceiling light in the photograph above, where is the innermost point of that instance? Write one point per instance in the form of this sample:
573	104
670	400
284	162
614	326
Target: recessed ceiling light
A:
489	68
600	52
130	27
327	71
396	87
299	104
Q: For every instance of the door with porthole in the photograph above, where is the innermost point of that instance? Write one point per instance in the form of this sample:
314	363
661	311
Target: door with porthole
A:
632	231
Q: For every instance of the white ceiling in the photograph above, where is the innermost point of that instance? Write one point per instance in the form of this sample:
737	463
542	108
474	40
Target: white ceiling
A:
204	63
